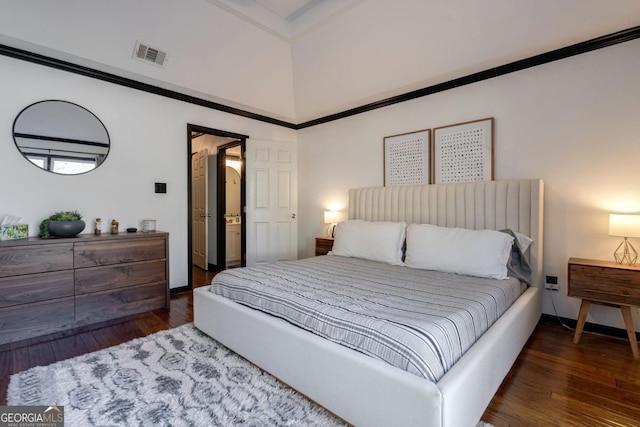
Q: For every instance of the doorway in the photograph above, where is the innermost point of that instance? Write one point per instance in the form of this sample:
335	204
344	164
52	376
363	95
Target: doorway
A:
207	207
231	205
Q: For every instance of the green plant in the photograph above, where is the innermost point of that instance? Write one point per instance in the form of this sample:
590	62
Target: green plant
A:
58	216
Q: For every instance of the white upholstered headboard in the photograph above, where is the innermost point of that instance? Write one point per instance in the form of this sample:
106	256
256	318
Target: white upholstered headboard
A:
496	205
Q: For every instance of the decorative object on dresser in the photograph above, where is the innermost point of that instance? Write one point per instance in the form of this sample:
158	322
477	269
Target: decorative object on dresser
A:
407	158
625	226
607	283
148	225
463	152
62	224
48	286
12	229
323	245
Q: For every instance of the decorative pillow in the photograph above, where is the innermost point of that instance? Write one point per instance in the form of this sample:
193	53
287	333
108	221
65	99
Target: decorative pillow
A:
518	265
524	241
481	253
376	241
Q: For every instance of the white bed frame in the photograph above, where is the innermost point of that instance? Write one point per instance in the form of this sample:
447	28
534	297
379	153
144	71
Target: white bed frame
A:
368	392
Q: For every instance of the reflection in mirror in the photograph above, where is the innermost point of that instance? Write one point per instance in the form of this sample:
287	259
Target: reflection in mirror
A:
61	137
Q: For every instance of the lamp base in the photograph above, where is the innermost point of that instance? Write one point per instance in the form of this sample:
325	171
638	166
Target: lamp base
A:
330	230
625	253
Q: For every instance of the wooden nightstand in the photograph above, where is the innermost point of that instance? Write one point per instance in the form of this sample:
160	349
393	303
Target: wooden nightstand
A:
323	245
608	283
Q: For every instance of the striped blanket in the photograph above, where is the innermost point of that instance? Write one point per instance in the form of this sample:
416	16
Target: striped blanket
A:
417	320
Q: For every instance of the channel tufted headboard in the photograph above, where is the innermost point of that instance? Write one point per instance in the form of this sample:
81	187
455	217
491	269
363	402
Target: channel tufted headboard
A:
495	205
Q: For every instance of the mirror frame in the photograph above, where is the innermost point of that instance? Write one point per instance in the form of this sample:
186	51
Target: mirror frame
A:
17	134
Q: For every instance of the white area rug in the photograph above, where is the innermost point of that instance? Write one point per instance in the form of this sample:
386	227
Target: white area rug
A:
178	377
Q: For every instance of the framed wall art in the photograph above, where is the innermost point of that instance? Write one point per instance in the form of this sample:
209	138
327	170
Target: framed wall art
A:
463	152
407	158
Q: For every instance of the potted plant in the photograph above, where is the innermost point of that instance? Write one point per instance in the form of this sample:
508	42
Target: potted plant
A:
62	224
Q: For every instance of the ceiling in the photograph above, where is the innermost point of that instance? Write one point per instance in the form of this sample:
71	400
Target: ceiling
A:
288	9
286	19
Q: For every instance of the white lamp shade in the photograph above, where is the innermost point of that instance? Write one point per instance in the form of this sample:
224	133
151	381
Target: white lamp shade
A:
332	217
624	225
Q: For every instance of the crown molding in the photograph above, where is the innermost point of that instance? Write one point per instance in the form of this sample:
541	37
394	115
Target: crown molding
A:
533	61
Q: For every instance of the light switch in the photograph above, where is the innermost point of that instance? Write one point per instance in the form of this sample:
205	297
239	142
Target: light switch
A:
161	187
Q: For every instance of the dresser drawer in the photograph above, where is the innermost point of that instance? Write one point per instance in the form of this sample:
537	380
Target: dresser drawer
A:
35	287
25	321
20	260
613	285
121	275
107	305
92	254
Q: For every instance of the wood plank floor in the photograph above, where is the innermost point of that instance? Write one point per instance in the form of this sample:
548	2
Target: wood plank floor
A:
553	382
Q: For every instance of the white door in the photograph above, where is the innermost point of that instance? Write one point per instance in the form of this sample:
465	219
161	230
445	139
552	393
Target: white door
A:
272	201
199	203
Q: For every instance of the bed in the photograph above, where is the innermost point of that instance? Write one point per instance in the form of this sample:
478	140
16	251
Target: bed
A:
366	391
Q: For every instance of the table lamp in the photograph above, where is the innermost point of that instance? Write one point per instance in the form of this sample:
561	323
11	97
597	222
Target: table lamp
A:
625	226
331	218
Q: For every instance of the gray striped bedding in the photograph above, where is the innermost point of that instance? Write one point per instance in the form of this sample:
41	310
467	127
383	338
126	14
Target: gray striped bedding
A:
417	320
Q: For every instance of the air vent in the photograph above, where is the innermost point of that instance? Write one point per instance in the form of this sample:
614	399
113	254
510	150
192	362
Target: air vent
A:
150	54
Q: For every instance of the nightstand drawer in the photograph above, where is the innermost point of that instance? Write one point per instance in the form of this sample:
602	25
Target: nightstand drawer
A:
323	245
604	284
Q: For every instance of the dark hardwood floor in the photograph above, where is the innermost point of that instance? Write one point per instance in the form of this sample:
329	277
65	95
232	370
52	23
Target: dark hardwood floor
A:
553	382
557	383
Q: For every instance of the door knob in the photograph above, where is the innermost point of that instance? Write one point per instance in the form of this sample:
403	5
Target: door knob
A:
293	216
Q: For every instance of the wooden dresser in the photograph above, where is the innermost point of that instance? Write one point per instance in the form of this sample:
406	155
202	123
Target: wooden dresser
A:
56	284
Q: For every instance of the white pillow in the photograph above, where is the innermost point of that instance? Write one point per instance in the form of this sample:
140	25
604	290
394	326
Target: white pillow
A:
482	253
376	241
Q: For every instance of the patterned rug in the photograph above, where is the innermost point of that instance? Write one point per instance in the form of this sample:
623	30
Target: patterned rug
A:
178	377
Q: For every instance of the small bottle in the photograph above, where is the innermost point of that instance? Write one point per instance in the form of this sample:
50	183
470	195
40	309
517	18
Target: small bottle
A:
114	226
98	228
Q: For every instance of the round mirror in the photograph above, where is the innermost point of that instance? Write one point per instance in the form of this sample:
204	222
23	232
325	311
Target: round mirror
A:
61	137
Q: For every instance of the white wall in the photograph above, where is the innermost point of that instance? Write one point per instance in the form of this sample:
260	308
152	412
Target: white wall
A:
148	144
210	50
574	123
380	48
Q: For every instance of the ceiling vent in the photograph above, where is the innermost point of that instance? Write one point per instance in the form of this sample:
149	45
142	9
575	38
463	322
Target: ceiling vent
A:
149	54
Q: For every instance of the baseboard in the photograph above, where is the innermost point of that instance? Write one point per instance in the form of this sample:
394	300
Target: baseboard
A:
179	289
589	327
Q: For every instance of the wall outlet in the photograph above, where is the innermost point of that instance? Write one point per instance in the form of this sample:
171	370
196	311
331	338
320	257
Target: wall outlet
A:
551	283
